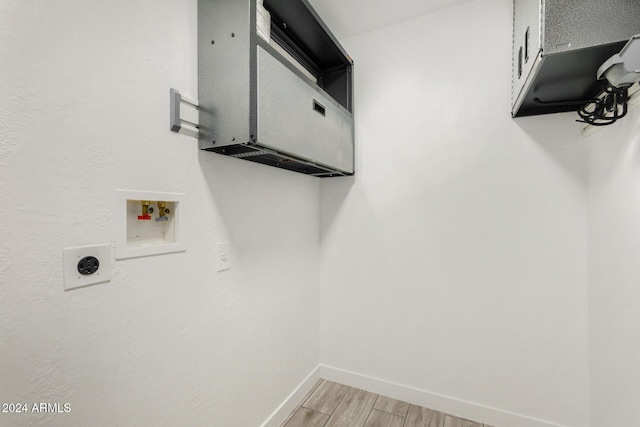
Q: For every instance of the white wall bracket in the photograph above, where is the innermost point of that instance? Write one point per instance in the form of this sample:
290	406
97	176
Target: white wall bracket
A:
183	120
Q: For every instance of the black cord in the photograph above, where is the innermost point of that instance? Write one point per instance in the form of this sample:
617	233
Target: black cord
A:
608	107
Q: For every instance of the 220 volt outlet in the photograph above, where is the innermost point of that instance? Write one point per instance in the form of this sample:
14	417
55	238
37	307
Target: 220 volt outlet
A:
86	265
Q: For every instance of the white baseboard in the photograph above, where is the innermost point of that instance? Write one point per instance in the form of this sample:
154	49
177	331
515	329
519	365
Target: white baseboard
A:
438	402
279	415
449	405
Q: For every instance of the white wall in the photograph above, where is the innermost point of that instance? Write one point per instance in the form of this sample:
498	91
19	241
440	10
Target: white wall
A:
455	260
84	110
614	272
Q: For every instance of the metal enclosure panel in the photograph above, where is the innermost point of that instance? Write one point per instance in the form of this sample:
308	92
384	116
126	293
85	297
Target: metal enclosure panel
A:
224	70
575	38
526	42
317	139
578	24
289	123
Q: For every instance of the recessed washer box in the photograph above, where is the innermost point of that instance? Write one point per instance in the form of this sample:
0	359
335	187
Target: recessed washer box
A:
148	223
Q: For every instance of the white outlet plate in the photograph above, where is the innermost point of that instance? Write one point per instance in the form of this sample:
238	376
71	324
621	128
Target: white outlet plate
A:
71	256
223	256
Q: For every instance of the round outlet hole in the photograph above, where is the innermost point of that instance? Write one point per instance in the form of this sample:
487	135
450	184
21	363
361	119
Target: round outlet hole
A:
88	265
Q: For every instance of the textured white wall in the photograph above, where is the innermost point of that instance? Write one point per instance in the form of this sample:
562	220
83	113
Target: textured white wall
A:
614	272
455	260
84	110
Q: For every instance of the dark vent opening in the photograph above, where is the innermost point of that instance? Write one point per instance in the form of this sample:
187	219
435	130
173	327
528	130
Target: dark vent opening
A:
262	155
301	32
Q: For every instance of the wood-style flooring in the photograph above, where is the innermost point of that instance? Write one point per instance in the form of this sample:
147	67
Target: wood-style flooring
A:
330	404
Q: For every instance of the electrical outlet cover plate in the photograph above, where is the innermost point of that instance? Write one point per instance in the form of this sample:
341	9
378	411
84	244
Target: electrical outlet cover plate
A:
224	256
72	256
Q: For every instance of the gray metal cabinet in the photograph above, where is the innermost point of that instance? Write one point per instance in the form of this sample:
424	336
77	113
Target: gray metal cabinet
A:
286	102
558	46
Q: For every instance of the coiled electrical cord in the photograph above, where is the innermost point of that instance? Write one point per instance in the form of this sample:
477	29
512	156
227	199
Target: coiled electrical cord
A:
609	106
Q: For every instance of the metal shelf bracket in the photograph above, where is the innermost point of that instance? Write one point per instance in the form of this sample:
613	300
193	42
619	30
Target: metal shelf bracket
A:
183	120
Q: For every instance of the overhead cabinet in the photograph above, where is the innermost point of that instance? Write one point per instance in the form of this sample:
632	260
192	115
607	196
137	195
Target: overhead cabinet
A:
275	86
558	46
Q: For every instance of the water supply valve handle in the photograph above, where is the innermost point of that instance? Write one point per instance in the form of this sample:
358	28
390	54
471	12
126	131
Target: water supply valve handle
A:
146	210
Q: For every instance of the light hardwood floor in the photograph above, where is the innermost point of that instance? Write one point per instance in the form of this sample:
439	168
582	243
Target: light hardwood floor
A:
330	404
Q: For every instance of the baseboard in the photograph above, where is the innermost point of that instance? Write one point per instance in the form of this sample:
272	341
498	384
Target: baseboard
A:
279	415
449	405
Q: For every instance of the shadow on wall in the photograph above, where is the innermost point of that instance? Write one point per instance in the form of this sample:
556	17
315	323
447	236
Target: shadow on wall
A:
617	147
630	133
333	193
260	205
559	135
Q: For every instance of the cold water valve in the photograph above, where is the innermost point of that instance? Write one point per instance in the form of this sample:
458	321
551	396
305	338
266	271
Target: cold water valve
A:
163	211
